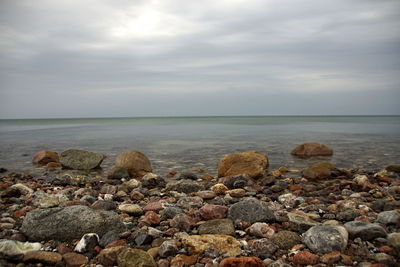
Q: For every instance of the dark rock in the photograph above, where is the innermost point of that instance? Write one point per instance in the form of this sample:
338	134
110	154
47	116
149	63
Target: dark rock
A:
118	172
87	243
393	168
364	230
286	239
104	205
251	210
80	159
109	237
378	204
182	222
170	212
143	239
187	175
3	170
217	226
347	215
65	224
262	247
392	205
384	258
238	181
151	180
300	222
184	186
325	239
389	217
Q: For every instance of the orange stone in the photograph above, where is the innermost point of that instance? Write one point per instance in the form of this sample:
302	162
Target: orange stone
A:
304	258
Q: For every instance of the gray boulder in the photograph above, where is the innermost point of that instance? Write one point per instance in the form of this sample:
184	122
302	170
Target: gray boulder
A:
66	224
250	210
325	238
80	159
365	230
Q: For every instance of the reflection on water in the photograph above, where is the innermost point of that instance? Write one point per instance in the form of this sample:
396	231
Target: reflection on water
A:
181	143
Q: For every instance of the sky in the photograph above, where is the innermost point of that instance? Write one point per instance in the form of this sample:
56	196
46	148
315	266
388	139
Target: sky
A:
107	58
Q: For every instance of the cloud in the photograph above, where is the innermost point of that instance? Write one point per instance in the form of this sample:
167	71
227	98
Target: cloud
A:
64	51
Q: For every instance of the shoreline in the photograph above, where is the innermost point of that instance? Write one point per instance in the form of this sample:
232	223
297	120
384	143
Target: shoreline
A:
264	218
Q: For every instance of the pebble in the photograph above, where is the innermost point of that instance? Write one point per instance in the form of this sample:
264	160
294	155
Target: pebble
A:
364	230
217	226
210	212
305	258
325	239
132	209
43	257
74	259
388	217
167	248
250	210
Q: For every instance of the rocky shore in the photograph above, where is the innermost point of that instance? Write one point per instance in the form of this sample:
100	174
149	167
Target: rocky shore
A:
247	215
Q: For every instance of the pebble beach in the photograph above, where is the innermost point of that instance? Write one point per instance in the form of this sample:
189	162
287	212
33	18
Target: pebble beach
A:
73	213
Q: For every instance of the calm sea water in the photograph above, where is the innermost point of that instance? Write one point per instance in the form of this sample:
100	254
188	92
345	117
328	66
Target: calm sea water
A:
369	142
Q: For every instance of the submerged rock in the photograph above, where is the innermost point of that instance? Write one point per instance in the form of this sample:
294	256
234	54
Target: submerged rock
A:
252	163
45	156
312	149
65	224
135	162
80	159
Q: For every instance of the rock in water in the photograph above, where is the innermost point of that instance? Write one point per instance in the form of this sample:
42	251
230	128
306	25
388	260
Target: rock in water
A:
135	162
364	230
252	163
325	238
65	224
317	172
312	149
81	159
45	156
250	210
135	258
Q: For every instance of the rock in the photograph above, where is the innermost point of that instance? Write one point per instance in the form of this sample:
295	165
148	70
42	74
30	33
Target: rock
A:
154	206
118	172
392	205
242	262
305	258
300	222
252	163
311	149
135	162
190	202
364	230
393	168
135	258
217	226
285	240
184	186
361	180
389	217
87	243
183	260
331	258
108	237
238	192
219	189
210	212
250	210
385	259
104	205
108	256
143	239
317	172
263	247
44	200
22	189
235	182
325	238
65	224
132	209
80	159
224	244
42	257
347	215
279	263
207	194
167	248
289	200
14	248
151	180
261	230
394	240
171	212
45	156
182	222
187	175
72	259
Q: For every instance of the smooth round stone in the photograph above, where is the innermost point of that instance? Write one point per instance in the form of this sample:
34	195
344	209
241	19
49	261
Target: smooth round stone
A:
325	238
132	209
388	217
364	230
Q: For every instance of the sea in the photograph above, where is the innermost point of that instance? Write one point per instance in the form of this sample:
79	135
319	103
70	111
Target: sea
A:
185	143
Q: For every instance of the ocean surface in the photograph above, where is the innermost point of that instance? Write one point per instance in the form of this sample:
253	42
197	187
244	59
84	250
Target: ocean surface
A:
181	143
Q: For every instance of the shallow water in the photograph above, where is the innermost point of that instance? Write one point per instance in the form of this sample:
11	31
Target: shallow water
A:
369	142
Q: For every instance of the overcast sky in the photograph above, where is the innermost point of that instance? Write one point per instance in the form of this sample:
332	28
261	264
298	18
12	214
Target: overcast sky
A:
97	58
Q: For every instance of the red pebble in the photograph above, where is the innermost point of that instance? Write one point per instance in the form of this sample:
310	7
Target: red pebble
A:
242	262
304	258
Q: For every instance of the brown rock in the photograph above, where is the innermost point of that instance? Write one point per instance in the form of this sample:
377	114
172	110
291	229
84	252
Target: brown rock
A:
73	259
224	244
52	165
312	149
209	212
42	257
45	156
135	162
331	258
317	172
252	163
63	249
153	206
151	218
183	260
242	262
108	256
304	258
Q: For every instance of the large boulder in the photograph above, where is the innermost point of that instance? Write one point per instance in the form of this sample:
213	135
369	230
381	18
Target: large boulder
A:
45	156
252	163
80	159
66	224
135	162
312	149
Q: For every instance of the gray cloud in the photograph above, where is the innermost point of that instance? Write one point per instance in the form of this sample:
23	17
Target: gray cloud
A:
148	58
